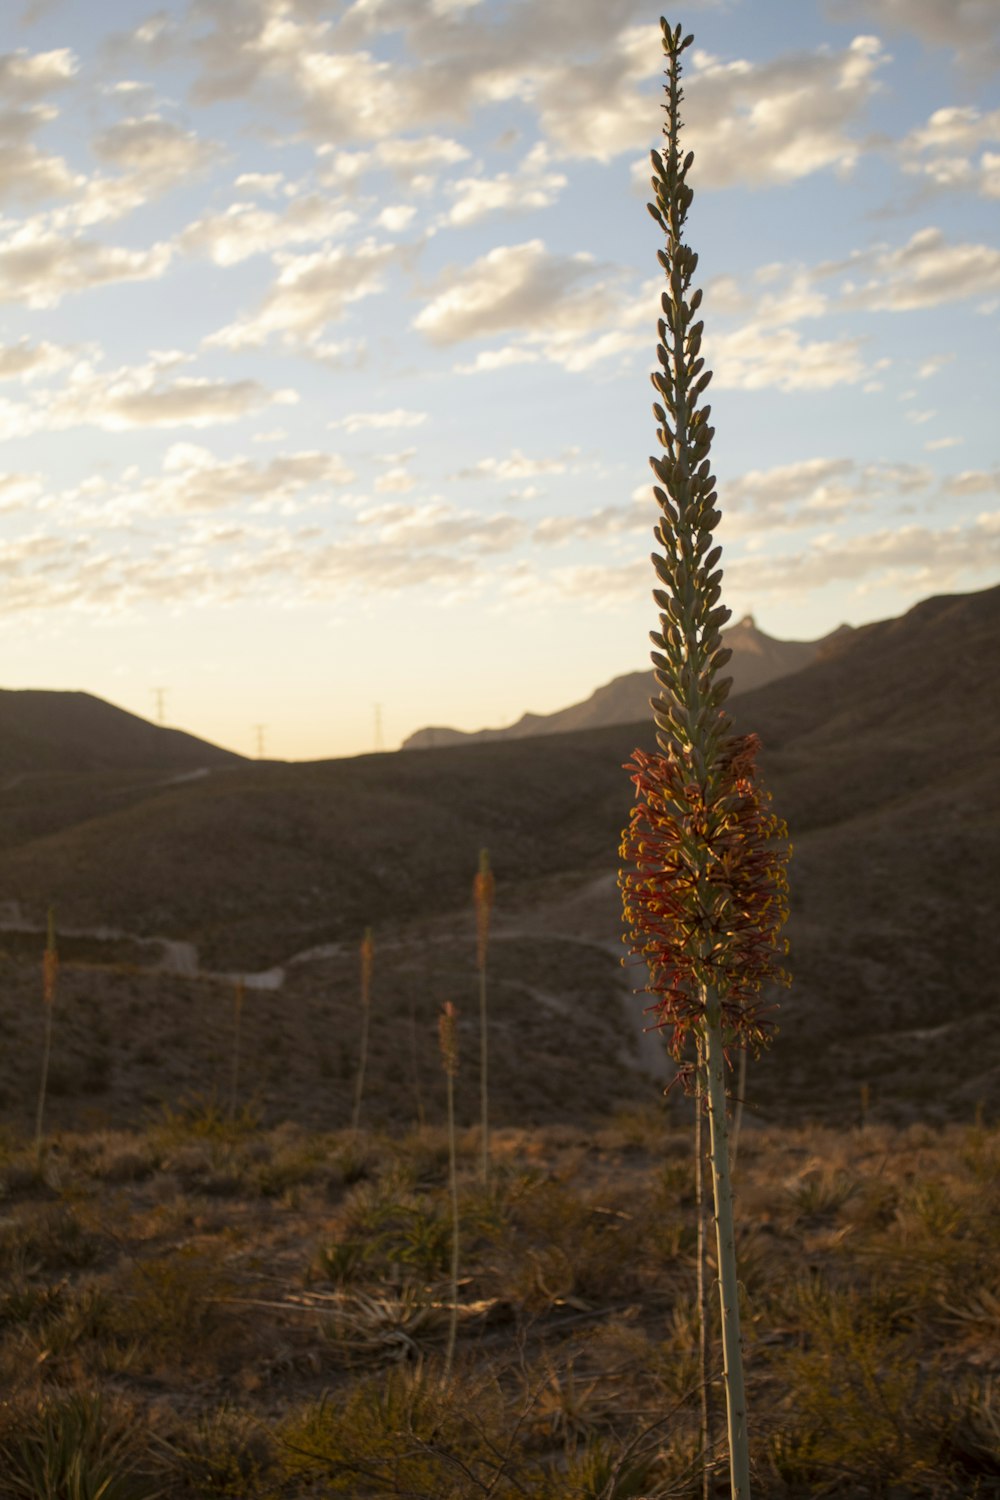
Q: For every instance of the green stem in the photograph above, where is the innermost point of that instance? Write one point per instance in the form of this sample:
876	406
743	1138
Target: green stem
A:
732	1353
699	1192
741	1088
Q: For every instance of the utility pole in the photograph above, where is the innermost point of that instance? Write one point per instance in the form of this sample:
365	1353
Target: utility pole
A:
379	744
158	695
260	740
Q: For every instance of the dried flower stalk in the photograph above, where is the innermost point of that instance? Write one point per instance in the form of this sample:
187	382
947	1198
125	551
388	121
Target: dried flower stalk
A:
448	1037
482	890
50	973
705	895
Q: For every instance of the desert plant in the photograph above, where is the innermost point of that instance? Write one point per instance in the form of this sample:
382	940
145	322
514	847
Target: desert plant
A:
704	897
50	970
448	1030
367	961
482	890
73	1449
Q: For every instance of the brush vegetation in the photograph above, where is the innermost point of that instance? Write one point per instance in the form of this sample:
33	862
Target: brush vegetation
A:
207	1307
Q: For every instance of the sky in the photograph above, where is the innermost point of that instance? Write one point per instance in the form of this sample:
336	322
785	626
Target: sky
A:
326	331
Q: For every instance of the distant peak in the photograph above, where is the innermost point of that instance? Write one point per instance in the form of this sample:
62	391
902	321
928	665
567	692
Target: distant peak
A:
749	622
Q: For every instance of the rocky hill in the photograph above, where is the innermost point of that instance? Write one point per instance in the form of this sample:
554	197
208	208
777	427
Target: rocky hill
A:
757	659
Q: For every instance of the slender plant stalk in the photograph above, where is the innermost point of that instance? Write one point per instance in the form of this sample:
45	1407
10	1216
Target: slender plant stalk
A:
704	899
707	1445
50	971
483	889
448	1034
239	990
367	960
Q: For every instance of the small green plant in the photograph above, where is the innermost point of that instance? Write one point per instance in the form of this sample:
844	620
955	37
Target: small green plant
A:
50	972
367	962
448	1030
483	891
72	1448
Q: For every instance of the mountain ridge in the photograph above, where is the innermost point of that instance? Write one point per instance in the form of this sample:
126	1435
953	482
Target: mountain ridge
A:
757	659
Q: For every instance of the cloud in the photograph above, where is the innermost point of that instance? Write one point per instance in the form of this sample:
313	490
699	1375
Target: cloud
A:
437	524
945	151
973	482
514	286
156	150
925	272
395	481
18	491
39	265
194	480
534	185
136	396
27	173
517	466
971	28
27	361
752	358
363	421
309	292
243	229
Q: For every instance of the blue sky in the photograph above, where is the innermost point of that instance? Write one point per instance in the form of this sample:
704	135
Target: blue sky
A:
325	333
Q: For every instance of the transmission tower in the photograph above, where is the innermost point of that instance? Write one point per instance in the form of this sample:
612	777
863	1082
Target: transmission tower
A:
158	695
259	728
379	744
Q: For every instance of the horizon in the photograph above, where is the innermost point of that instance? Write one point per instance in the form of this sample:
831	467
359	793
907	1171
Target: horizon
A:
325	342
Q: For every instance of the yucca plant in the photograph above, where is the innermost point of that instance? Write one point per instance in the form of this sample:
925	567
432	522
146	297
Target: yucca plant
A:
50	971
448	1035
482	891
367	963
704	893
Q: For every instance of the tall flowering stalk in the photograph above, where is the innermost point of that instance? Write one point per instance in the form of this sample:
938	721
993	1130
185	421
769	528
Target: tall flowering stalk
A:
705	895
367	953
50	972
448	1036
482	891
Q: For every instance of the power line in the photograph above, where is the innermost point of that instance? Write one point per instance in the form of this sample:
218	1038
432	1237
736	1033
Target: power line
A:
379	743
158	695
260	740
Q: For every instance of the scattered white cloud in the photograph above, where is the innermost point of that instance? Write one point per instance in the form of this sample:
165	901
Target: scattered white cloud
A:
972	482
27	173
933	364
136	396
365	421
937	444
395	481
27	361
194	480
438	524
309	292
243	230
517	466
532	186
160	151
39	265
949	151
925	272
971	28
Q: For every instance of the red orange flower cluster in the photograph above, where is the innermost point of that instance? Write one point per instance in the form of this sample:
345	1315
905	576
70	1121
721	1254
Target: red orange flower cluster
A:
482	894
706	894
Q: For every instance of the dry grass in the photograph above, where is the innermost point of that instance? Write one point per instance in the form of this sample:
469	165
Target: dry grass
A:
212	1308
